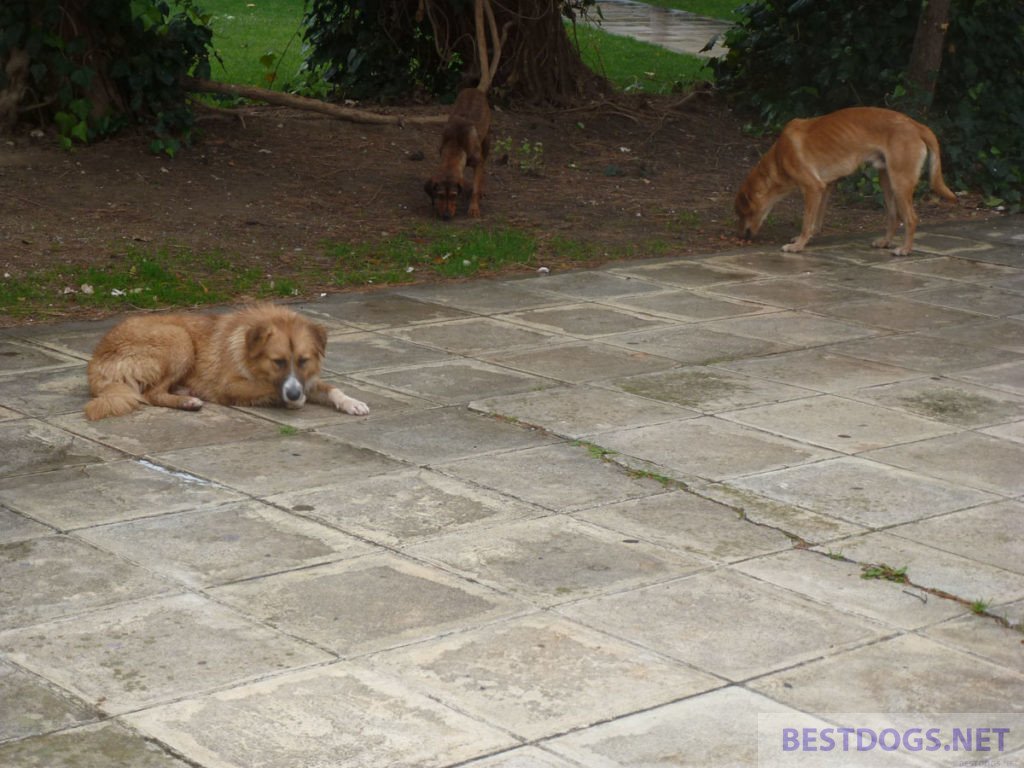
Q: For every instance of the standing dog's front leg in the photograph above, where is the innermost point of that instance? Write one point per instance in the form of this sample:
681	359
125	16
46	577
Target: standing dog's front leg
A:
814	195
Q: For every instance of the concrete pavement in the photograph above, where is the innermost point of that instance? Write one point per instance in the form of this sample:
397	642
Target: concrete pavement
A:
597	518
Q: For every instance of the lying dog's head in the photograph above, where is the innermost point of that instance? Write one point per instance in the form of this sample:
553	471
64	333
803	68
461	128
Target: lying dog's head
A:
444	193
284	349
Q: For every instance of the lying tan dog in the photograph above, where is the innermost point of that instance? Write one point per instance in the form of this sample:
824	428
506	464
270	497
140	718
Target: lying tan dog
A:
465	141
263	355
813	154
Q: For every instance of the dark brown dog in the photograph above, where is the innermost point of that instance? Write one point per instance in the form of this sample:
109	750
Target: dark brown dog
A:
811	155
466	141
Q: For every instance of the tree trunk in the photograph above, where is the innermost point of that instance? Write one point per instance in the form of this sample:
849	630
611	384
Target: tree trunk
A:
539	62
926	55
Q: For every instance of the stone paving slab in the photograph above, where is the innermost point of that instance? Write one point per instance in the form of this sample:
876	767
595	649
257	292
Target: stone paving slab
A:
538	476
837	423
283	463
578	559
154	430
98	746
1002	333
79	497
30	706
864	492
932	567
28	446
227	543
715	730
46	393
686	522
584	362
968	458
708	389
901	674
710	448
136	655
770	628
946	400
541	675
579	411
829	579
367	604
414	437
339	716
456	382
54	576
405	507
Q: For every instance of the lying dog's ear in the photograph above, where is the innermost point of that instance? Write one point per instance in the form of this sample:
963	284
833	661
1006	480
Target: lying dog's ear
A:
319	338
256	337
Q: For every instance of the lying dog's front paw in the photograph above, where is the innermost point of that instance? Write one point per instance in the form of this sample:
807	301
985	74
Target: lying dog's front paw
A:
347	404
191	404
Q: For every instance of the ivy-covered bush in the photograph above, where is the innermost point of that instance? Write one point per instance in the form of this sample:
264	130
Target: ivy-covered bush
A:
377	50
800	58
95	66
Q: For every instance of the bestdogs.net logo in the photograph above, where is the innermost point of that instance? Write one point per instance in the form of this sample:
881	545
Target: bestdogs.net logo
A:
891	740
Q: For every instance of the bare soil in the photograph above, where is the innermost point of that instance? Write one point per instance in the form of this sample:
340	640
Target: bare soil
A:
270	186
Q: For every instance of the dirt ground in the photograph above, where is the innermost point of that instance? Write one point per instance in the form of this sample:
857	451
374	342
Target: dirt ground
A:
269	186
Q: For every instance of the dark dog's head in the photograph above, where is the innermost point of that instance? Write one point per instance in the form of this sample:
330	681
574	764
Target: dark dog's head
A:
444	192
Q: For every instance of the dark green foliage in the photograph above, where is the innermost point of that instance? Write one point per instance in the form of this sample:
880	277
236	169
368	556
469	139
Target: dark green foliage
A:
795	59
99	65
378	50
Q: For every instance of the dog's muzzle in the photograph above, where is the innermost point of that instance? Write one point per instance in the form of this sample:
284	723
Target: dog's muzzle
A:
292	393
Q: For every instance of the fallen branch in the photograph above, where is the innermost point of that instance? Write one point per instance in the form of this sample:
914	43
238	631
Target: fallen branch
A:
314	105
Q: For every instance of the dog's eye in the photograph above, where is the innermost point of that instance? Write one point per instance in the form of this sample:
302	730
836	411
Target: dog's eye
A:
281	363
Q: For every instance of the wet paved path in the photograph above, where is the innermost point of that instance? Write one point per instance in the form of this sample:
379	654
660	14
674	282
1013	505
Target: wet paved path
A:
599	518
676	30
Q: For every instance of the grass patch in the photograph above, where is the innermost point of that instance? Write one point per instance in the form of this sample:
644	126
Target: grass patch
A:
632	65
140	280
256	43
439	251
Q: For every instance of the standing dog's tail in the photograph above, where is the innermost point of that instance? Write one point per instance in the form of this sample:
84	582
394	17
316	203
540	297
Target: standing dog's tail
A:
935	179
115	398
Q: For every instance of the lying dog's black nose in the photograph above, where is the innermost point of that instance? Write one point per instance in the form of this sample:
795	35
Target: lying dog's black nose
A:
292	391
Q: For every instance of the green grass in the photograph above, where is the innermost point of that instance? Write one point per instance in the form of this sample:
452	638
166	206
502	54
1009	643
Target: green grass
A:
136	279
258	43
434	251
634	65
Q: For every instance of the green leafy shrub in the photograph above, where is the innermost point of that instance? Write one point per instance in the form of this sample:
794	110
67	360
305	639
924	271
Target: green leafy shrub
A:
795	59
376	50
95	67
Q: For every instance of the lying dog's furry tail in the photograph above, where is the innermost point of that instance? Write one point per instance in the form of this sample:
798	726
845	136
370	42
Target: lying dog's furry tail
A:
114	399
935	179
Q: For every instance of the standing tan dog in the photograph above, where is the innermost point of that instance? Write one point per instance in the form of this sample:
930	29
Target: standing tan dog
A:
263	355
466	139
813	154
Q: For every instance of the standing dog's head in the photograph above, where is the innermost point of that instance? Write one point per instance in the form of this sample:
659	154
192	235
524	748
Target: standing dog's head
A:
444	193
760	191
284	349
